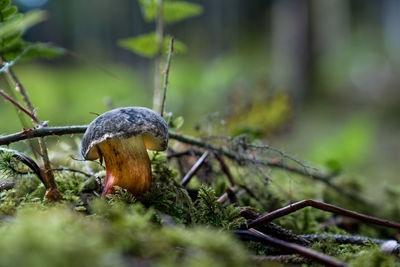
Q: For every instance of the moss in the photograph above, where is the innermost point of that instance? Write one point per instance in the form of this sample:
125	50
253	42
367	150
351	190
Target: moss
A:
211	212
373	257
52	237
163	227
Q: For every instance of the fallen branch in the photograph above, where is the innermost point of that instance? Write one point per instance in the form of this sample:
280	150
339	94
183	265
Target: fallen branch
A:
257	236
275	230
194	169
343	239
322	206
318	176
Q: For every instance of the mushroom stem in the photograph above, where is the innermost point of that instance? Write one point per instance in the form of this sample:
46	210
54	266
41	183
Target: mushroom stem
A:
127	165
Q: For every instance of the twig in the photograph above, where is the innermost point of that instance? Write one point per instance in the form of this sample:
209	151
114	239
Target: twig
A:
344	239
322	206
225	195
52	192
275	230
225	169
41	132
194	169
174	154
232	196
254	235
72	170
18	105
21	116
57	170
166	71
318	176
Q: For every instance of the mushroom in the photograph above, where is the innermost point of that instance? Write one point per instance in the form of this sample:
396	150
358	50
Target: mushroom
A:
121	137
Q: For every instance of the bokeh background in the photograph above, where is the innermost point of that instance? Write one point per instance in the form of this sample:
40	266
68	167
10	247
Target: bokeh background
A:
318	79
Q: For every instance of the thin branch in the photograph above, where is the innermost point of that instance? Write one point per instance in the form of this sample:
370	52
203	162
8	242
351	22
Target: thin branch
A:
191	152
21	116
52	192
225	169
254	235
225	195
185	180
343	239
41	132
322	206
318	176
72	170
275	230
19	106
166	71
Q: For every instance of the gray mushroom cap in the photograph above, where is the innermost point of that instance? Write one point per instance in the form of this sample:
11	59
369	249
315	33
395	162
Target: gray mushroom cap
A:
124	123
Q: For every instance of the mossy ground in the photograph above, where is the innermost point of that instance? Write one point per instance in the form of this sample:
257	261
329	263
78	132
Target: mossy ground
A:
164	227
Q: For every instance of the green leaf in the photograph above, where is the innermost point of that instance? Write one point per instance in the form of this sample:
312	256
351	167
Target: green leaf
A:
173	11
20	23
25	51
177	122
11	40
7	13
43	50
146	45
149	9
4	4
333	165
179	10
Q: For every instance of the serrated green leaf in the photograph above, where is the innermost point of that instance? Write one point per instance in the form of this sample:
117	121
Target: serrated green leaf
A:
43	50
20	23
9	52
179	10
177	122
8	12
4	4
26	51
11	40
149	9
173	11
146	45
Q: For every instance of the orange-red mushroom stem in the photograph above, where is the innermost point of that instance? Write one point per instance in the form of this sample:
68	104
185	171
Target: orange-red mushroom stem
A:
127	165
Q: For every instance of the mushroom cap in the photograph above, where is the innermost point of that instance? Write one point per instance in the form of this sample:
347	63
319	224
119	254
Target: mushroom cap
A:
124	123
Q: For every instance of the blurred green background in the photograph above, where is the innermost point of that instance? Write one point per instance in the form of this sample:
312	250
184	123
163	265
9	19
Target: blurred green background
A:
316	78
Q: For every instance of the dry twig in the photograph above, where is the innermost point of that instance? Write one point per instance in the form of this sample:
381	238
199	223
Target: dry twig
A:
52	192
322	206
185	180
318	176
254	235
